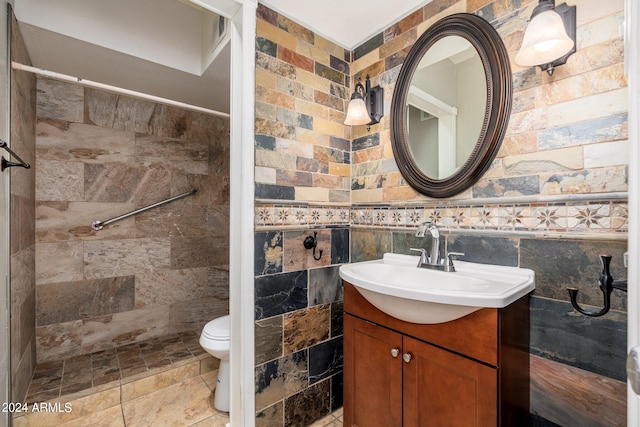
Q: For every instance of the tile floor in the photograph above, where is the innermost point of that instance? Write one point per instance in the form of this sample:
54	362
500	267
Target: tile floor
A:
59	378
160	382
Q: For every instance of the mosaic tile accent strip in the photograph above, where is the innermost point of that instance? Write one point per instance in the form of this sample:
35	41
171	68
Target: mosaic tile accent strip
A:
557	217
277	215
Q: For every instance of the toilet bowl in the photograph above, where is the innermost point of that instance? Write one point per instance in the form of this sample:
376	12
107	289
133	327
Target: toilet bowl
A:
215	340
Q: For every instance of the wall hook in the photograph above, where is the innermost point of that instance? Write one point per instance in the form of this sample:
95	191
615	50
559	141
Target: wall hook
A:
310	242
607	285
8	164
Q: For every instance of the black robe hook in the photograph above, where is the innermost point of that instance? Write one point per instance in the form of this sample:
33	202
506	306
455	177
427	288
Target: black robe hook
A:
607	285
310	242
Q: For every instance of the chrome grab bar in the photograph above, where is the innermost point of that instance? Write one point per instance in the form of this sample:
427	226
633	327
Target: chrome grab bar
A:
97	225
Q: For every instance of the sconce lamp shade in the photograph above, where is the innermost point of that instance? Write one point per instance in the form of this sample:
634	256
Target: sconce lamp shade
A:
545	40
357	113
366	105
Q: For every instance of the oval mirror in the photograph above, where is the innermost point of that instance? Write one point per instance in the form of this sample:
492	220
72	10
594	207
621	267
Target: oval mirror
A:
451	105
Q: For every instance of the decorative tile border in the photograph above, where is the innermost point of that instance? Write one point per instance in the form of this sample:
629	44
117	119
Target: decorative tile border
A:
556	217
300	215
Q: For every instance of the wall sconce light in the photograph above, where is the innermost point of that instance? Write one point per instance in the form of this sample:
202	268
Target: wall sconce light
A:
366	105
550	37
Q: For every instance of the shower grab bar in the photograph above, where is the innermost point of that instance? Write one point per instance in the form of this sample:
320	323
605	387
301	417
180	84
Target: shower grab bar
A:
97	225
6	163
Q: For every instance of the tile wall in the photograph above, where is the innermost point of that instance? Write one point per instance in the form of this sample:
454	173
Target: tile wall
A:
553	200
22	214
100	155
302	154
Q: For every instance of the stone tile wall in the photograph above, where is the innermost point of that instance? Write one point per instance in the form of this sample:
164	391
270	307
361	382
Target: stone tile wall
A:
302	154
22	225
554	199
100	155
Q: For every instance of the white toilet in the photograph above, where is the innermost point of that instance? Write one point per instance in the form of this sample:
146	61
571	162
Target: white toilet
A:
215	340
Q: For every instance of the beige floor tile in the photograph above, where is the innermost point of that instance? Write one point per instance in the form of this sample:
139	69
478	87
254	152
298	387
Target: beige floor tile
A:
211	379
218	420
159	381
181	404
111	417
78	408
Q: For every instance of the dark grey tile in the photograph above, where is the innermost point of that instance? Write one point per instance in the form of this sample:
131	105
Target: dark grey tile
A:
337	392
366	47
559	264
485	250
339	245
369	244
267	253
337	314
329	73
308	406
325	359
325	285
404	241
266	142
339	64
266	46
280	293
595	344
270	191
366	141
339	143
514	186
268	339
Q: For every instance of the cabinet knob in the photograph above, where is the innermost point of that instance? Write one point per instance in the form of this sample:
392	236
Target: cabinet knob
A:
395	352
407	357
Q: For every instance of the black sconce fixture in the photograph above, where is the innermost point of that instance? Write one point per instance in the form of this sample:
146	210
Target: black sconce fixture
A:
366	106
550	37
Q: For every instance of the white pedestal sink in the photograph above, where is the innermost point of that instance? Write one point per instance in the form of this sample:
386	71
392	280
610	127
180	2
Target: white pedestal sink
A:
396	286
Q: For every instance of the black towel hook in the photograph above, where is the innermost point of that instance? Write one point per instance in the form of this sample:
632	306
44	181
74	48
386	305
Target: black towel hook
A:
8	164
607	285
310	242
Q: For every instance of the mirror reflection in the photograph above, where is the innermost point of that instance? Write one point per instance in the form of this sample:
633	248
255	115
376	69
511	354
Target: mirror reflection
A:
446	106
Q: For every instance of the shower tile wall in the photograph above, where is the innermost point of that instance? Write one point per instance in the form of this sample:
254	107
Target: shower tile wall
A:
302	186
100	155
22	228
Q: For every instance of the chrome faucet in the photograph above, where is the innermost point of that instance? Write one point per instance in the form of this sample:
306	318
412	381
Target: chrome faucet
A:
434	261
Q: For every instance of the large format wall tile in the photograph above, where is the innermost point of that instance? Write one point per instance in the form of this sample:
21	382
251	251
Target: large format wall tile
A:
63	302
102	155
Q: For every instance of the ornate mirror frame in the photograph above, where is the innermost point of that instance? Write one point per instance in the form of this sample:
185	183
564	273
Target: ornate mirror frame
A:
495	61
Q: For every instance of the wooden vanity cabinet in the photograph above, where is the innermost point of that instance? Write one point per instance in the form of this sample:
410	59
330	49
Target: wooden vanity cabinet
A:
473	371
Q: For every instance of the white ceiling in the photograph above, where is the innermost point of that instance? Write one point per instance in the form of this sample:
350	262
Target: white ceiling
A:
348	23
166	48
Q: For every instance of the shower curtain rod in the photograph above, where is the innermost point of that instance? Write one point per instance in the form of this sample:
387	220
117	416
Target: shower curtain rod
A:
116	89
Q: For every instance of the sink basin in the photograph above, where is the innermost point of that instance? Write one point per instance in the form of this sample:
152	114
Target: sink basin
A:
396	286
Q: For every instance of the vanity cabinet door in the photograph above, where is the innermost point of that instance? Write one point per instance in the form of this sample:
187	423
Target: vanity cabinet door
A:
372	375
443	389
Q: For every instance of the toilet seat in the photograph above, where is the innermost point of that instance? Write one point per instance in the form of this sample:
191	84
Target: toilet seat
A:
217	329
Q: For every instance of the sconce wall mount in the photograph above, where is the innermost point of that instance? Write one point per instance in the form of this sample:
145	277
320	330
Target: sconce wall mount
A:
550	37
366	106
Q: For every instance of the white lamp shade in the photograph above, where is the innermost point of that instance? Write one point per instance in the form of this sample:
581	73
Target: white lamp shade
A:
357	113
545	40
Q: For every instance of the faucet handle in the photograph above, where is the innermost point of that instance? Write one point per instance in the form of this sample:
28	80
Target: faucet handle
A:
424	259
448	263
